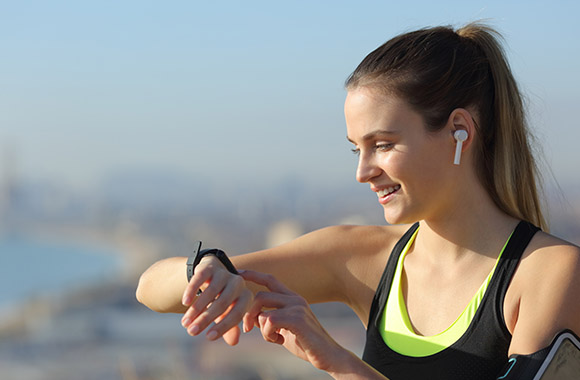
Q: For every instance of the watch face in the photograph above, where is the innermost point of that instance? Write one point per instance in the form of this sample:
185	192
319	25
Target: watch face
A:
191	260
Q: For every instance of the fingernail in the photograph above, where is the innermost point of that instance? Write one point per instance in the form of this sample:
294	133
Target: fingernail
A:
240	271
212	335
194	330
186	301
185	322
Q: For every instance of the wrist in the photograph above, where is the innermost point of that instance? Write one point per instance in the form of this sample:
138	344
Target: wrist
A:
221	256
198	254
214	262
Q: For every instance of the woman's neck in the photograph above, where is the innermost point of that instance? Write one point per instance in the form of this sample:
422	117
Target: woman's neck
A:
474	224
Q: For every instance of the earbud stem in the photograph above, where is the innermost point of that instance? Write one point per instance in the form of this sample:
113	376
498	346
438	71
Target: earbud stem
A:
458	148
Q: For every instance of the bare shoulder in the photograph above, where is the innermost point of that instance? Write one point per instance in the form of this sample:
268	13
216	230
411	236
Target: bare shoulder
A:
550	256
548	285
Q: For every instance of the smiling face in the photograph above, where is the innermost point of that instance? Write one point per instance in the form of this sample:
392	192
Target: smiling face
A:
409	168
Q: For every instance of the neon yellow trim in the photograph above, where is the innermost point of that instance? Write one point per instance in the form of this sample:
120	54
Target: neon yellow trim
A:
396	328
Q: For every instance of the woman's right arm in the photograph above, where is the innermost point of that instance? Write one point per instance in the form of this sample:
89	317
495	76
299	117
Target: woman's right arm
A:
332	264
305	265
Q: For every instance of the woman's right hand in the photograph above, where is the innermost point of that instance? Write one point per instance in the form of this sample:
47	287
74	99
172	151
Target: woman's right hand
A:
224	300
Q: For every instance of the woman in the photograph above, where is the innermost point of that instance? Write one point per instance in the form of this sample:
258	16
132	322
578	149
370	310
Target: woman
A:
461	280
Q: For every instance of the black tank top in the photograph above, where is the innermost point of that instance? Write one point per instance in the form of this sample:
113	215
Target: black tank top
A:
480	353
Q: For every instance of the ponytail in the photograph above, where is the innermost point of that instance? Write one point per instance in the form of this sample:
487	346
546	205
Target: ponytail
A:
512	170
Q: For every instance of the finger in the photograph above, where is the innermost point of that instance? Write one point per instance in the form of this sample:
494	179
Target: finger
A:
191	317
204	272
268	300
220	285
248	323
232	317
268	330
266	280
230	302
197	281
232	336
201	304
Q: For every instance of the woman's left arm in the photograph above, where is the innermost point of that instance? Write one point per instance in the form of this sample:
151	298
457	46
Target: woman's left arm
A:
285	318
549	299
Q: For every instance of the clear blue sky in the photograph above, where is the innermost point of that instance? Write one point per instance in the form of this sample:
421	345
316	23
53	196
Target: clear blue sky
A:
239	90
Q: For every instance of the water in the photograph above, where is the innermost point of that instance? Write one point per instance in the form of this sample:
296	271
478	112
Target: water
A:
30	268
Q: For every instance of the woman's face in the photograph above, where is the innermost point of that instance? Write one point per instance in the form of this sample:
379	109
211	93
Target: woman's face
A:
410	169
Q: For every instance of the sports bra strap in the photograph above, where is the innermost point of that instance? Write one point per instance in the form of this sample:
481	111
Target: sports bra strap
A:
380	298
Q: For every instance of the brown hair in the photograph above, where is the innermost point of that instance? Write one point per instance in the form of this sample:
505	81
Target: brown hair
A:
437	70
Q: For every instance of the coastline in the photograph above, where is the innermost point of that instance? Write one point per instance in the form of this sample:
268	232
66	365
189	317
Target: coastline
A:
134	252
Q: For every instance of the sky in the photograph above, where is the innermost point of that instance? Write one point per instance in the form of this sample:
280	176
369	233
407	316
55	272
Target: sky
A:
239	92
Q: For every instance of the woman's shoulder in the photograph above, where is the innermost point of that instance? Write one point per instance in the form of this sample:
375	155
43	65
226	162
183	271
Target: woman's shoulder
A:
551	258
547	283
545	248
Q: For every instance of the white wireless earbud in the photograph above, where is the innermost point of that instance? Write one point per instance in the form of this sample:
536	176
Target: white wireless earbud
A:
460	135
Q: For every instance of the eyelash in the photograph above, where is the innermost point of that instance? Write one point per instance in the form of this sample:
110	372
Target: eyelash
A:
384	147
381	147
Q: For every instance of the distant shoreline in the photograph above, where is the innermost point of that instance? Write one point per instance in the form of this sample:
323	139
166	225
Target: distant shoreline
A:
133	251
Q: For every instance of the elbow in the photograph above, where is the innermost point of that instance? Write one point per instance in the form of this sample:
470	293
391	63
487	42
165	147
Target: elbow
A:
142	293
160	287
148	294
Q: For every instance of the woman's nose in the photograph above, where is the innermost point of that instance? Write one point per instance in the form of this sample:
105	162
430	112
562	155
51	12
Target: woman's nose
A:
366	169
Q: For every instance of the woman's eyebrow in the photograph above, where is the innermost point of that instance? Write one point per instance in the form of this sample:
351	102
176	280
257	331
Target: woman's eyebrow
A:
374	134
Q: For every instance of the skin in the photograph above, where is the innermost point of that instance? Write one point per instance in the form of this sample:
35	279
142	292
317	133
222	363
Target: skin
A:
461	234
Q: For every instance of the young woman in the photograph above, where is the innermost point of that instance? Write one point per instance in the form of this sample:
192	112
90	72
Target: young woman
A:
460	280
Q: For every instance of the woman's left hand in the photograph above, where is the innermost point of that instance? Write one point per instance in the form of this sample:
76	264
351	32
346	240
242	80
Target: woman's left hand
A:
289	321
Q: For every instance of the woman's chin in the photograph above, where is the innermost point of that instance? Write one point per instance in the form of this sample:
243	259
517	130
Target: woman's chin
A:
397	218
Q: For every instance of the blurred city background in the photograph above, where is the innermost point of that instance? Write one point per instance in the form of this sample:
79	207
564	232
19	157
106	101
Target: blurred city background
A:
130	129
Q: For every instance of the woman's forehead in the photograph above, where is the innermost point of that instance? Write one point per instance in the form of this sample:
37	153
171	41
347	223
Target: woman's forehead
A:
372	112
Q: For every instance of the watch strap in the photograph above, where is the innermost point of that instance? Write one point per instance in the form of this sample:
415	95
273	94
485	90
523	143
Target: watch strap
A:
194	260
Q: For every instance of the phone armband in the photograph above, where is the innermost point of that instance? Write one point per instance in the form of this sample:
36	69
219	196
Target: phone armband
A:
559	361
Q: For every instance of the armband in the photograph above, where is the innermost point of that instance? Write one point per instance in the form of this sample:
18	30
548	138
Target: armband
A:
559	361
198	254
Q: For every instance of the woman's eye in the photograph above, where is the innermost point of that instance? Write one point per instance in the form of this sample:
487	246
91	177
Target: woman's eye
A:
383	147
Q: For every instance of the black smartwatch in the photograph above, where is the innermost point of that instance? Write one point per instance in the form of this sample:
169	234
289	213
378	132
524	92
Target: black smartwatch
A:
198	254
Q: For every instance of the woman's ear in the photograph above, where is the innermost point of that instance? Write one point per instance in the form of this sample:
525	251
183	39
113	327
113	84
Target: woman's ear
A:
462	127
